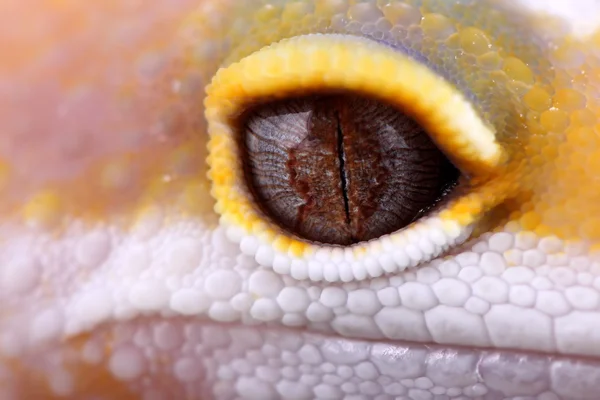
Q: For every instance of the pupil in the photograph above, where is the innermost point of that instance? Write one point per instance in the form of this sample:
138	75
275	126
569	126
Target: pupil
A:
341	169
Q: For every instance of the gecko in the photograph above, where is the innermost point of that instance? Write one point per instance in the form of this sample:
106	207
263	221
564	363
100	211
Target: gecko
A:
137	261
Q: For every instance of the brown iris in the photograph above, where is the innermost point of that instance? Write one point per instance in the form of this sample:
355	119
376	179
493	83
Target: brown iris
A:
341	169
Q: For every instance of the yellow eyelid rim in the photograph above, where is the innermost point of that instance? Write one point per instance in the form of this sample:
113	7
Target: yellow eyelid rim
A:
320	63
317	63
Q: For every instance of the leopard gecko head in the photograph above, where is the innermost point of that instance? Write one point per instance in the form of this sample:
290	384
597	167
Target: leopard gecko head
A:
270	199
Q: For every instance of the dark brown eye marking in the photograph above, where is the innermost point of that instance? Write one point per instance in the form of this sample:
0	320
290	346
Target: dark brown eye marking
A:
341	169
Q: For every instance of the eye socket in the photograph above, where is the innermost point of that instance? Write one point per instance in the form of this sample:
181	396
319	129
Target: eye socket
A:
341	169
313	64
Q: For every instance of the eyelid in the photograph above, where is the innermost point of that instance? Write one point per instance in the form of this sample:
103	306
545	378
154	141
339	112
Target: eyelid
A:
315	62
320	63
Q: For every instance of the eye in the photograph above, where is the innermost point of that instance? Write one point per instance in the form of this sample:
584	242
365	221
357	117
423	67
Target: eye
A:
311	186
341	169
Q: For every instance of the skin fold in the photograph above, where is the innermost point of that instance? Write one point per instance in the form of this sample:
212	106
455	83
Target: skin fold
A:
118	281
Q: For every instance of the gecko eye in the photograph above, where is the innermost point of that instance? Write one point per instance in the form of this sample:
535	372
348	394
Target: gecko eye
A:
335	157
341	169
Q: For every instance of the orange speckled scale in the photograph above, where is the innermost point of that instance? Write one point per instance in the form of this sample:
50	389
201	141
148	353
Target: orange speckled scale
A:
102	124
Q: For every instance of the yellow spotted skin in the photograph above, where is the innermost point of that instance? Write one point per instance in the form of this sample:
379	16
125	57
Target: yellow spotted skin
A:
539	101
538	111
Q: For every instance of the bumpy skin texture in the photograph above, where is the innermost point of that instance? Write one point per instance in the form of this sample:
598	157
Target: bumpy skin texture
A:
117	281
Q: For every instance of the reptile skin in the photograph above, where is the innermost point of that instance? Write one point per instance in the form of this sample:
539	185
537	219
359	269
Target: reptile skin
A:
118	280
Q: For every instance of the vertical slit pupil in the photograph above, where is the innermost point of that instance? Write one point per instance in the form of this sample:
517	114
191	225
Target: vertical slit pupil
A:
342	155
340	169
